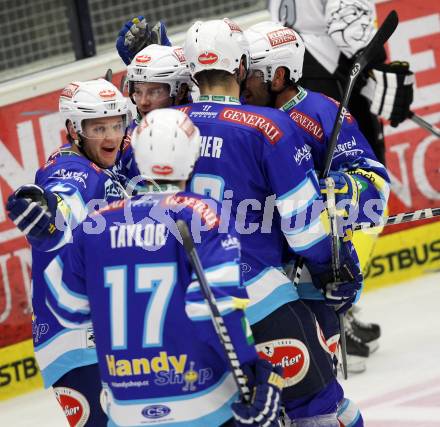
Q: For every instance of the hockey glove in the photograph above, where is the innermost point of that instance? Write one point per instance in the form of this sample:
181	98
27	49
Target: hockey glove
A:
343	293
263	410
391	91
33	210
136	34
346	198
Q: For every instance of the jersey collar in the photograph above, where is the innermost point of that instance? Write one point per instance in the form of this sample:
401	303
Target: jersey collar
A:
220	99
302	93
159	188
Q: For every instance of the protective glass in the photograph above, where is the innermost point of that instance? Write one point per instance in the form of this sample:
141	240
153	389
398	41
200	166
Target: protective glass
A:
101	130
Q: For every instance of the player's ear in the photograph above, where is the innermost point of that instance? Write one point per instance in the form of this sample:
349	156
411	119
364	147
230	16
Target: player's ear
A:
71	131
279	79
182	94
242	70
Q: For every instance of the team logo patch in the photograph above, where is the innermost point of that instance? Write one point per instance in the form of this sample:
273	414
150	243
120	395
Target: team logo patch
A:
179	54
69	90
186	109
291	354
330	346
188	127
74	405
233	26
155	411
254	120
347	115
310	125
198	205
143	59
208	58
107	94
162	170
282	36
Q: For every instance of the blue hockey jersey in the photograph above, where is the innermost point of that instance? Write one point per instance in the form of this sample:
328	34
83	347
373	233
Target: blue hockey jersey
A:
77	181
315	115
160	359
249	160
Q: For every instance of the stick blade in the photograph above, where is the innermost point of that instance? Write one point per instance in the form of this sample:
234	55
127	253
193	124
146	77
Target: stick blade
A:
382	35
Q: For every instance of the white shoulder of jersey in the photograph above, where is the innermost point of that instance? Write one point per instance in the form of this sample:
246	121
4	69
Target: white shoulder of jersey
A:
328	27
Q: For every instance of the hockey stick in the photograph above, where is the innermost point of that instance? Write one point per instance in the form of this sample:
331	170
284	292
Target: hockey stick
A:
400	218
361	61
217	319
424	124
331	207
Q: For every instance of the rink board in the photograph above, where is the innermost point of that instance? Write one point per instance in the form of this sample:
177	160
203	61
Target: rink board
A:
18	371
403	255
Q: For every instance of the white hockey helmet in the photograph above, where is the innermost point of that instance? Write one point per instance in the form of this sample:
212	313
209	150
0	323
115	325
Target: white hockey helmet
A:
90	100
166	144
273	46
215	45
159	64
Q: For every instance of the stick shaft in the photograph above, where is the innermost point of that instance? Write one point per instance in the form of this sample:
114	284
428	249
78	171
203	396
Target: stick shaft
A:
217	319
424	124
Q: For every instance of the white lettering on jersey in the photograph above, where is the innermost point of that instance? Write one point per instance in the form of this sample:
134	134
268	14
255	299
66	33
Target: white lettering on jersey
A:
140	235
211	146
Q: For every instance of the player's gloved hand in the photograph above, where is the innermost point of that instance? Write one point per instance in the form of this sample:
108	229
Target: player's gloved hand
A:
33	210
343	293
263	410
346	198
391	91
136	34
346	190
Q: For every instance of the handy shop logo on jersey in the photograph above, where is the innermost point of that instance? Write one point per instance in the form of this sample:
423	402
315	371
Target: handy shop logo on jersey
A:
208	58
283	36
155	411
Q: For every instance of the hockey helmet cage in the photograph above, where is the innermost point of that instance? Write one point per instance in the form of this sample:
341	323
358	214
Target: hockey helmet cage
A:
218	44
166	145
159	64
273	46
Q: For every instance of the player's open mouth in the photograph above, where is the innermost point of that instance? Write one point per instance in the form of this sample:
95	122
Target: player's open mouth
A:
109	149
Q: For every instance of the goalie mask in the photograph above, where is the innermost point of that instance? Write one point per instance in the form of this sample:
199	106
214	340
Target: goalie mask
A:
166	145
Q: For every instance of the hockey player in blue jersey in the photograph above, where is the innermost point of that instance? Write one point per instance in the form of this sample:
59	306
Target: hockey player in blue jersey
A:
160	358
157	78
276	65
75	180
249	160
